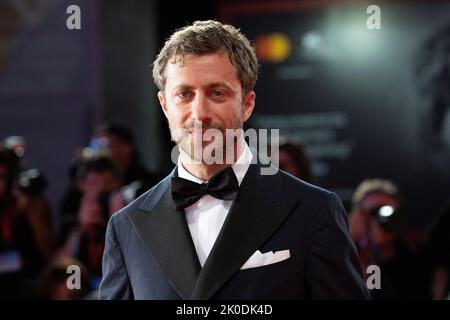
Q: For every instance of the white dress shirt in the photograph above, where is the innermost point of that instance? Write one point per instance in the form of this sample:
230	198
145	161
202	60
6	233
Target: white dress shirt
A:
206	217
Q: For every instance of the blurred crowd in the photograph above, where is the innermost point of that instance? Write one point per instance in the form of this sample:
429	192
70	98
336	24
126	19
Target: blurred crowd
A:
106	175
409	269
34	252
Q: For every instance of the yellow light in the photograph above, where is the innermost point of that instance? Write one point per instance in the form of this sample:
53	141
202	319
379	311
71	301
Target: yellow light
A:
275	47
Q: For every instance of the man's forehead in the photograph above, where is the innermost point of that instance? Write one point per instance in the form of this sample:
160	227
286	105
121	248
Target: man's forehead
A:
209	72
210	62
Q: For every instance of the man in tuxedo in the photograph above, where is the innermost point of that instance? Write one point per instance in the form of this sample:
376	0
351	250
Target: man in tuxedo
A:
224	229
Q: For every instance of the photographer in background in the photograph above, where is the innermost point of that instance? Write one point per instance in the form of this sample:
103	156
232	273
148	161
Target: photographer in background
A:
10	221
29	188
25	231
29	192
375	228
98	179
116	142
119	143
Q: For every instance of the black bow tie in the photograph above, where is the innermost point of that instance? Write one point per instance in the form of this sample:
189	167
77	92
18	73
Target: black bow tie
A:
224	185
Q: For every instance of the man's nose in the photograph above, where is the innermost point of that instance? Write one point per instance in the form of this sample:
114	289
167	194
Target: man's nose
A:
200	109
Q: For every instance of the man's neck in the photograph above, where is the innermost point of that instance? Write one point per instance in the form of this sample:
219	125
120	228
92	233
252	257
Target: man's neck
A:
205	171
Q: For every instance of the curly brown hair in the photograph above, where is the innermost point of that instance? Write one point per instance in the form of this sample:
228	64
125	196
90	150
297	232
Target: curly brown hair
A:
204	37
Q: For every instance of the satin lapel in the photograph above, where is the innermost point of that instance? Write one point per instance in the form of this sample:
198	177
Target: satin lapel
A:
260	210
165	233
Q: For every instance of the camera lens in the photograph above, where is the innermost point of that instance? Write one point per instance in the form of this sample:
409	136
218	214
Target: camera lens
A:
385	215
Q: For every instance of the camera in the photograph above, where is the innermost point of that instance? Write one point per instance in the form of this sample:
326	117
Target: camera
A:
31	182
387	216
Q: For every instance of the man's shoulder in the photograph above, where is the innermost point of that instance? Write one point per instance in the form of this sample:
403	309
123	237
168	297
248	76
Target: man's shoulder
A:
316	203
290	185
294	186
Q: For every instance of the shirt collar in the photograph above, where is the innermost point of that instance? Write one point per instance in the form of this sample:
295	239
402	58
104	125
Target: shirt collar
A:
240	167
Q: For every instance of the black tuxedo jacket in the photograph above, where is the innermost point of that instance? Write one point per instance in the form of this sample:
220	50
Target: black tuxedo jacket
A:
149	253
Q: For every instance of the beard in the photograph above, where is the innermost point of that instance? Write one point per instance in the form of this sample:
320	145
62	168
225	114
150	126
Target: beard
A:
201	141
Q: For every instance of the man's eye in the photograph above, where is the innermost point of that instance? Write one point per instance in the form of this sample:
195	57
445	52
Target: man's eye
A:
218	93
184	94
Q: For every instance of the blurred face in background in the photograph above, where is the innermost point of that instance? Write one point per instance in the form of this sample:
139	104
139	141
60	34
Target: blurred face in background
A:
370	202
375	200
203	90
96	182
287	163
97	187
120	151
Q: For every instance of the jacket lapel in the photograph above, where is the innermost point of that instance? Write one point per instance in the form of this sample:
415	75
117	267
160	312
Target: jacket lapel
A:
253	218
166	235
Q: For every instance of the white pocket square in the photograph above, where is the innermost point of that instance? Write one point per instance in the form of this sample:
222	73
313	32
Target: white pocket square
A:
259	259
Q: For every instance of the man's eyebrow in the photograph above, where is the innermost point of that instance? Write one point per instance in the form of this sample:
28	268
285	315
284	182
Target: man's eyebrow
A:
211	85
221	84
183	86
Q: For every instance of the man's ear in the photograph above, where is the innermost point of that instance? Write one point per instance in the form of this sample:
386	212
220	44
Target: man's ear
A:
162	102
249	104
